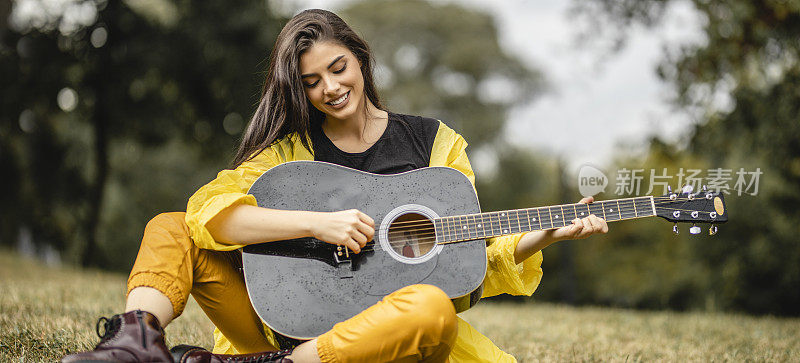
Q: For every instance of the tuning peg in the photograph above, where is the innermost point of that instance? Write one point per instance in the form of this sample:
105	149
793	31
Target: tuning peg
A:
672	196
688	188
675	228
694	229
712	230
705	188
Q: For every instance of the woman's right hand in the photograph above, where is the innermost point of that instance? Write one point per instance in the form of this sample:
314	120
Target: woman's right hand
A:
350	228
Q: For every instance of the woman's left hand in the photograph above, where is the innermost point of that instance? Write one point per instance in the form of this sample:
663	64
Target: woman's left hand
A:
582	227
533	242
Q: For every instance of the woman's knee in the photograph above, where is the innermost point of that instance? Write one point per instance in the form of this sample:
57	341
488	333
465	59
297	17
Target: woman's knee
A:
167	228
430	309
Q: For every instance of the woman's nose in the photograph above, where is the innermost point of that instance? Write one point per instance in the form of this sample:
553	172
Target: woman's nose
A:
331	86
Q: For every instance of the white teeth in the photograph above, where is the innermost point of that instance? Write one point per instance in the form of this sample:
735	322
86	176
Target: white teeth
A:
339	100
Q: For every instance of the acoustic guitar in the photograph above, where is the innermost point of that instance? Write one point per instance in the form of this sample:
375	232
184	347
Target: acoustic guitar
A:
429	230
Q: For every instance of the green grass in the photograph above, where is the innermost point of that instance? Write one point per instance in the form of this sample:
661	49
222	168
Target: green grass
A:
48	312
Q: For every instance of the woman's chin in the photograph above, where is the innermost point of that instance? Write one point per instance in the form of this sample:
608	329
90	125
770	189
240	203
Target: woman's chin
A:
344	113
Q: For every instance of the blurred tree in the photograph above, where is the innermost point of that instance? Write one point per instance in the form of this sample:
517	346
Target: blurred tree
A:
114	111
741	86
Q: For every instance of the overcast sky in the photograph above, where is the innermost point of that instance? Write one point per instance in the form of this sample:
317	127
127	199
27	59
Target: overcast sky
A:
596	102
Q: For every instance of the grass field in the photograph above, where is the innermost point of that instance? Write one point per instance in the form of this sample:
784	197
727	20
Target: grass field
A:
48	312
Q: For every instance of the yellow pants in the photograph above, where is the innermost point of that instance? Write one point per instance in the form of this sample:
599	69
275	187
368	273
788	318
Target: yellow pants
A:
414	323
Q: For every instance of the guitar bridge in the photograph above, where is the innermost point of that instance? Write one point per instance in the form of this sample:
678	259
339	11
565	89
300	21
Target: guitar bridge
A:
344	264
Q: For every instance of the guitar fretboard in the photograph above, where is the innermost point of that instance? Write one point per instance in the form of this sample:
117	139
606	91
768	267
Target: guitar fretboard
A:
494	224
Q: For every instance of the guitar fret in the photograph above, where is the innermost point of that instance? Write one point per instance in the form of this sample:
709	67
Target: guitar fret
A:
539	219
528	219
436	230
619	212
603	209
584	213
445	234
451	232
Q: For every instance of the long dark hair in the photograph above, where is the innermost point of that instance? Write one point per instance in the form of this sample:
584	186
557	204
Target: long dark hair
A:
283	108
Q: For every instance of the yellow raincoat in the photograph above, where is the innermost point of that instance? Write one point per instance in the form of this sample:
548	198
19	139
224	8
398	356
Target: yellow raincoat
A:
502	275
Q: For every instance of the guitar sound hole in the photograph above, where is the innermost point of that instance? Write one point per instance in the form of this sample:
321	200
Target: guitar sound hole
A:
412	235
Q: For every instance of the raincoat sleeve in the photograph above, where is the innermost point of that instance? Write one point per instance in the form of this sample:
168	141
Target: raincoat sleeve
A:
229	188
502	274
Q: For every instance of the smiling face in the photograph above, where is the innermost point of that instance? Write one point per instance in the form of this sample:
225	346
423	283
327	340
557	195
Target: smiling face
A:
332	80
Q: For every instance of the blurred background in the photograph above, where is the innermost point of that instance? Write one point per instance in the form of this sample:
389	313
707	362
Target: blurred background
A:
114	111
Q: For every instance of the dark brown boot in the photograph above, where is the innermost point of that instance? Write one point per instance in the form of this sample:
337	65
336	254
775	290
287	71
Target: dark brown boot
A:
190	354
135	336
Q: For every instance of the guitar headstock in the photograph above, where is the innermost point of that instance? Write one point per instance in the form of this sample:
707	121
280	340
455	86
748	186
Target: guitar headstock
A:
704	206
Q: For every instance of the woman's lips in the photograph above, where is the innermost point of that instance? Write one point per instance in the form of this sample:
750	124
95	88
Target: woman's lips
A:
342	101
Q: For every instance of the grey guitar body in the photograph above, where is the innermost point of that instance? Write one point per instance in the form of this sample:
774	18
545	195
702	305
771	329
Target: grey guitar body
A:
302	287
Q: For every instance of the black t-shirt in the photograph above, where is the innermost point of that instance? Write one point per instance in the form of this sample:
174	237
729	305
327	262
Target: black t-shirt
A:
405	145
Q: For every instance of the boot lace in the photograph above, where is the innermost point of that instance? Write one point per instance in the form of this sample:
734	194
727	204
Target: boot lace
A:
110	327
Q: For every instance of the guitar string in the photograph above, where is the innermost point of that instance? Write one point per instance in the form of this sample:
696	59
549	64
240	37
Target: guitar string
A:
432	240
482	216
665	200
429	228
513	223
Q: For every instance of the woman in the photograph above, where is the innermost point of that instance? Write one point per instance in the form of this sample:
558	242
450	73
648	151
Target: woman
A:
318	103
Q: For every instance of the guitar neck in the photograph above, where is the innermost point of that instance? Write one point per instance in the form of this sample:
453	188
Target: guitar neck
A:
494	224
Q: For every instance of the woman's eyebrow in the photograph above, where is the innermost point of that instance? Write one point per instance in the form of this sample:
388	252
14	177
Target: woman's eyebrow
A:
329	65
